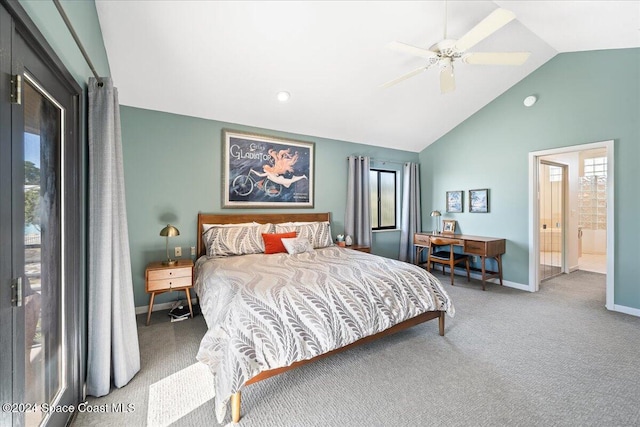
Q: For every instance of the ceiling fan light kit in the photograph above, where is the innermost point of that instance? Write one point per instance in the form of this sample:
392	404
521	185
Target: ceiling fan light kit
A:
447	51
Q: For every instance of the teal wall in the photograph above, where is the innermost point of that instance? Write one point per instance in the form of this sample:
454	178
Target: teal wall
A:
172	168
583	97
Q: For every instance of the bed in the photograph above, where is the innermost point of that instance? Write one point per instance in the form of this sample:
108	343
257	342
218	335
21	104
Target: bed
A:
270	313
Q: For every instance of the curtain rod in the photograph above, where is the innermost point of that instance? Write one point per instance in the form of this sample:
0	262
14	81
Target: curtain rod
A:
388	161
384	161
67	22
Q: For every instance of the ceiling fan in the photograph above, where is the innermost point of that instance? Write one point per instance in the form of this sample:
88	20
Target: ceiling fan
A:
447	51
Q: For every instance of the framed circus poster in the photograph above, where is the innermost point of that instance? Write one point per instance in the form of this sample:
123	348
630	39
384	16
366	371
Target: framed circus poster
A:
266	172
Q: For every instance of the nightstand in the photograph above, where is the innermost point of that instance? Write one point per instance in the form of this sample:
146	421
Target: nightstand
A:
360	248
160	278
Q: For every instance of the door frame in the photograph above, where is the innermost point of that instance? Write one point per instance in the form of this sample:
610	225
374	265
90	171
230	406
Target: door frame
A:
534	214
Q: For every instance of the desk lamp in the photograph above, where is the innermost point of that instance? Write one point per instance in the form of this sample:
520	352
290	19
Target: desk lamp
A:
169	231
437	214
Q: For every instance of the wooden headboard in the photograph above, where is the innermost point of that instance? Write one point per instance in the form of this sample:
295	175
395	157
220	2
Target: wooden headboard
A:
274	218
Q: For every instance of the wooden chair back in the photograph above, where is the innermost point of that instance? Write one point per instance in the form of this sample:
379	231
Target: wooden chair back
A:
453	259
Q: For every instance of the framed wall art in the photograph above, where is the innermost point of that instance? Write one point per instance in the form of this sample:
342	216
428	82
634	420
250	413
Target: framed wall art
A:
479	201
454	201
448	226
266	172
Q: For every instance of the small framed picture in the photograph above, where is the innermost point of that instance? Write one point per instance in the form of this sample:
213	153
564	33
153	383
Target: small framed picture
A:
449	226
454	201
479	201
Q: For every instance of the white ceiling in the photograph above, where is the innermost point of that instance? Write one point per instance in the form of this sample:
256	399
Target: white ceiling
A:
227	60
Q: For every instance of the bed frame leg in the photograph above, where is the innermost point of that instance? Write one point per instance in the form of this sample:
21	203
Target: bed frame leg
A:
235	407
441	323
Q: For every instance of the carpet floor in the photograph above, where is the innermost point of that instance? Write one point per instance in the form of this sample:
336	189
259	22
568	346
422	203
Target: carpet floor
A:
552	358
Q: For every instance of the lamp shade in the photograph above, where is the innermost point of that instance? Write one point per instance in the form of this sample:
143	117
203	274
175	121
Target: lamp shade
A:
435	213
169	231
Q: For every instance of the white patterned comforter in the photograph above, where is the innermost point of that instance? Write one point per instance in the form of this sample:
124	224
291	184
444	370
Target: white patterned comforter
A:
268	311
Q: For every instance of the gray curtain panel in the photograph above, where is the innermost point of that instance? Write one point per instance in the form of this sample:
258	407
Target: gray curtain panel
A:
113	350
410	222
357	218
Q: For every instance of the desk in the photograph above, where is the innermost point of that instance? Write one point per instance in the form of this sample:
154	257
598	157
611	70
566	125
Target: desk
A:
484	247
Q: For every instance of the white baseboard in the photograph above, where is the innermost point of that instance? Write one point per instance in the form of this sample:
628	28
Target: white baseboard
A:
144	309
626	310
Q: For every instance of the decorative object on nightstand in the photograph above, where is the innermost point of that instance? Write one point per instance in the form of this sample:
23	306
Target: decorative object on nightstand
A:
437	214
169	231
348	240
160	278
340	240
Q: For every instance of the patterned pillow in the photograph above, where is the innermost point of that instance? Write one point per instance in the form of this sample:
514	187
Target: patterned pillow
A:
297	245
318	233
227	241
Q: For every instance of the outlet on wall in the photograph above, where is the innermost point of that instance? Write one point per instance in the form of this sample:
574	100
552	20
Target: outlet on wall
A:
193	251
178	251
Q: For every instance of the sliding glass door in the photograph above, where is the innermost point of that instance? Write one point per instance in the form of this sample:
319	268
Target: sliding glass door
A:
40	223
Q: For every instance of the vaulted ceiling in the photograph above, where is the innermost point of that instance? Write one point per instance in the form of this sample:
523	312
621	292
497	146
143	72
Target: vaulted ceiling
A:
227	60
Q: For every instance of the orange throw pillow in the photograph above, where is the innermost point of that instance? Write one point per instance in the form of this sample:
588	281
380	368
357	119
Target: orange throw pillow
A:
273	242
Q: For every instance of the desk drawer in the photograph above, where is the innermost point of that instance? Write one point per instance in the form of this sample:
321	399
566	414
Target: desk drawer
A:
474	247
421	239
169	273
177	282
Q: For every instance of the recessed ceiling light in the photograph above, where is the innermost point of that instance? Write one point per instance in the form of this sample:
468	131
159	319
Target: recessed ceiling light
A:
283	96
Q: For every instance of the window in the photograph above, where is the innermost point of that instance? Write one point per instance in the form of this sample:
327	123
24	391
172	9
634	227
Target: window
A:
595	166
555	174
383	199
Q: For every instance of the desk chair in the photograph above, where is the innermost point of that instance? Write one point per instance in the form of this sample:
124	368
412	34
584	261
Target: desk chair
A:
438	255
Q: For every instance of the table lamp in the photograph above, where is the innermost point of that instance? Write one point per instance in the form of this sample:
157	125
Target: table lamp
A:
169	231
437	214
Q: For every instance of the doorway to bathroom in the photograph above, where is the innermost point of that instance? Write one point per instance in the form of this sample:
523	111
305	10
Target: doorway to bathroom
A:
571	213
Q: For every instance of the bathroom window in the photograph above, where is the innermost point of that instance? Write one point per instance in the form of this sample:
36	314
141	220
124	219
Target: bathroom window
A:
595	166
555	174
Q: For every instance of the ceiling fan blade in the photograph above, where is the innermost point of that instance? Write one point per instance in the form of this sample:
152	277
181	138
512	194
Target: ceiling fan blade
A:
447	79
404	77
492	23
411	50
496	58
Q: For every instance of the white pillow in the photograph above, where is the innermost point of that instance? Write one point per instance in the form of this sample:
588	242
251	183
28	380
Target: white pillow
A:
238	240
297	245
318	233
